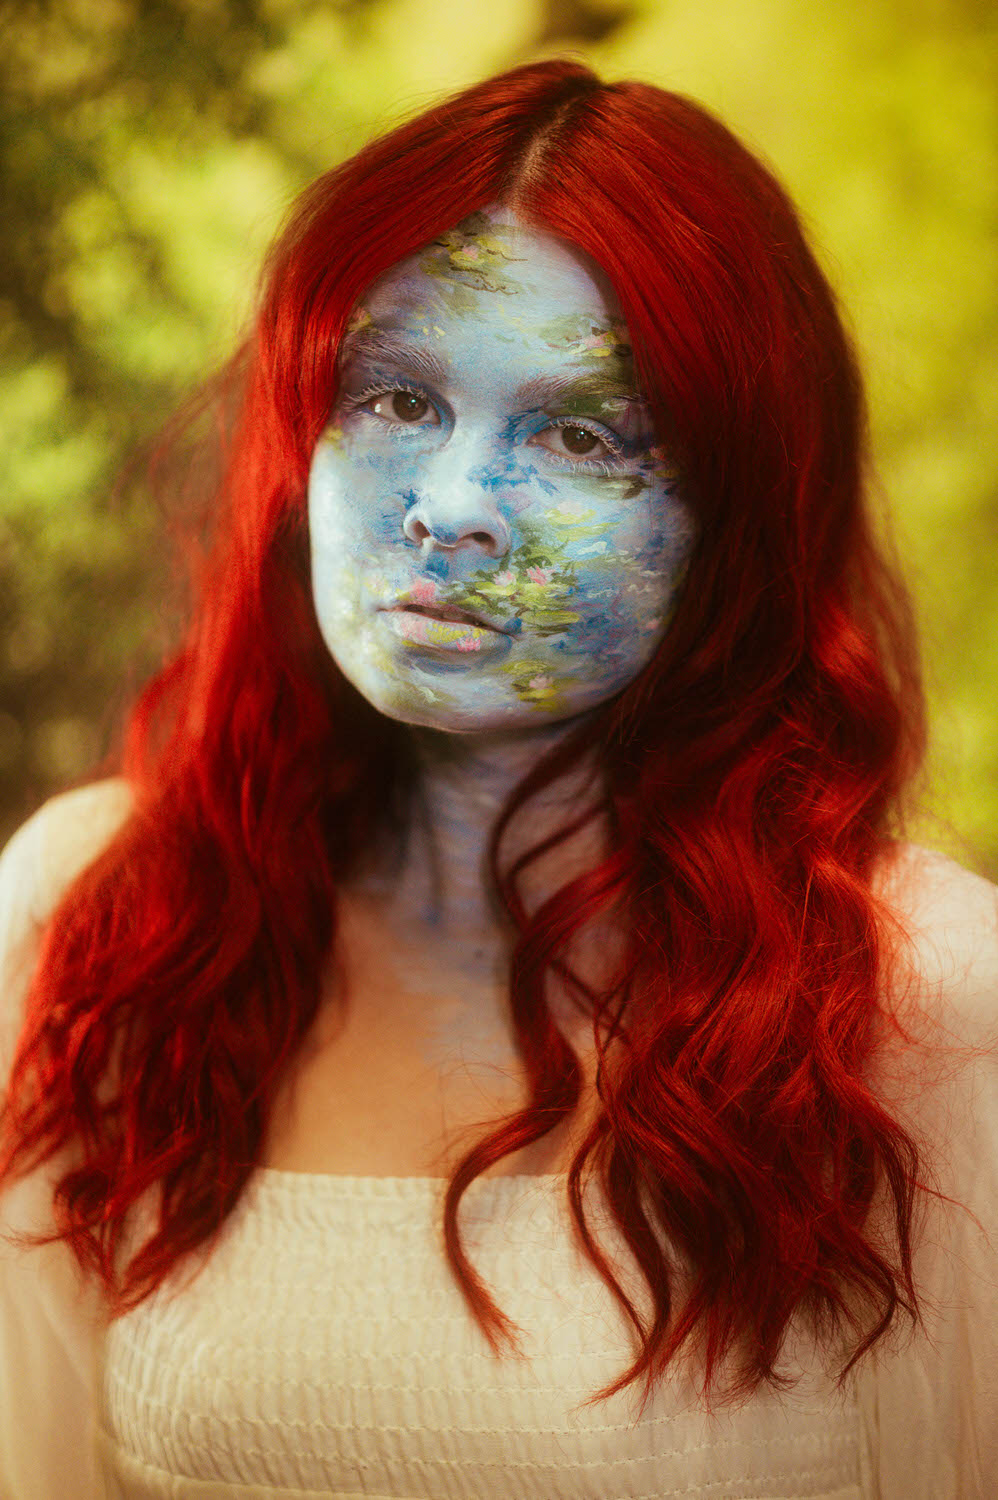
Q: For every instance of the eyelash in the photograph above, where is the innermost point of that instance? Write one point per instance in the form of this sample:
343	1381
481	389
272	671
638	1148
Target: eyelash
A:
386	388
591	465
580	465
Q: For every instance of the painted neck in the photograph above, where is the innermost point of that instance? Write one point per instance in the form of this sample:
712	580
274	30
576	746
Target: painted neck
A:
441	889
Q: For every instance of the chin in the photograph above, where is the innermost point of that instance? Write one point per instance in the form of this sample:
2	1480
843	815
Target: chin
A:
470	720
427	706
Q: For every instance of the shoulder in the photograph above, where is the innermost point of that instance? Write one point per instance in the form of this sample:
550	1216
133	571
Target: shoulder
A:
50	1319
930	1400
937	1070
37	866
57	843
947	922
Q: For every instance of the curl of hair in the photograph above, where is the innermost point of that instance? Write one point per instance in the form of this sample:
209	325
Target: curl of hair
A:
751	776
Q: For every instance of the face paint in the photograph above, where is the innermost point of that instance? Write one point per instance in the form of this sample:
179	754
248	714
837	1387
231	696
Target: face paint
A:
496	541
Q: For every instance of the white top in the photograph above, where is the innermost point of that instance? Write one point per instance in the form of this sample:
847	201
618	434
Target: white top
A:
324	1349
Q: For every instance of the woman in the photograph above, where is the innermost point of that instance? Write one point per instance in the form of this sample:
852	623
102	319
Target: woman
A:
490	1041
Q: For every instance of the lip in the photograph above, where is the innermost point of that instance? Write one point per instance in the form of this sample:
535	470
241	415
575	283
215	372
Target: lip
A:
443	629
444	612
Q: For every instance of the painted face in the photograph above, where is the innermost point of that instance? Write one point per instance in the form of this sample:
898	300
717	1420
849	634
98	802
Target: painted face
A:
496	541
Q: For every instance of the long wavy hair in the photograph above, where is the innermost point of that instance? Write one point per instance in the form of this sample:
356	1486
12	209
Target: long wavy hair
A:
751	779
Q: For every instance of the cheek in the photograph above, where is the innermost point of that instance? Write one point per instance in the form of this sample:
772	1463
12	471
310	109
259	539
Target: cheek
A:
626	591
659	562
353	502
329	484
658	534
638	551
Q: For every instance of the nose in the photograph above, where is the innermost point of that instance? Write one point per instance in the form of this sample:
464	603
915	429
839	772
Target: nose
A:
455	509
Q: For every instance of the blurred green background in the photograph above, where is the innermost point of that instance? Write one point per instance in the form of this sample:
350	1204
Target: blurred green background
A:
149	151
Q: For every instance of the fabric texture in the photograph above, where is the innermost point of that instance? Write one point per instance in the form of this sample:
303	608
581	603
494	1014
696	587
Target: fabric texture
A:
323	1348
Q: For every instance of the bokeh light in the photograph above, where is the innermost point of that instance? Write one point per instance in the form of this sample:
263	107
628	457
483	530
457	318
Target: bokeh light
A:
149	151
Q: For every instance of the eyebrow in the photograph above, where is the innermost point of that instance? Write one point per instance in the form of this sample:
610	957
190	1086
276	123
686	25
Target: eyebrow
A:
616	394
617	397
381	343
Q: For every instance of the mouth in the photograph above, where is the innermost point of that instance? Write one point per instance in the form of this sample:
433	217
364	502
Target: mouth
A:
443	628
449	613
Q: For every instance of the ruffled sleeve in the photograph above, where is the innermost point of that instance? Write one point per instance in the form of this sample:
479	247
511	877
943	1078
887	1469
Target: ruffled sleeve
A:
932	1404
49	1320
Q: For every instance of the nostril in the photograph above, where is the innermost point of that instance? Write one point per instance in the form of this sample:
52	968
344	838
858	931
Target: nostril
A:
448	533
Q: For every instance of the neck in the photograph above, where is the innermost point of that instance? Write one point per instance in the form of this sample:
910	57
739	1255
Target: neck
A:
439	892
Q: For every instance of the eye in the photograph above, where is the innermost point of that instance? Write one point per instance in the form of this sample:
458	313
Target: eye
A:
401	405
571	439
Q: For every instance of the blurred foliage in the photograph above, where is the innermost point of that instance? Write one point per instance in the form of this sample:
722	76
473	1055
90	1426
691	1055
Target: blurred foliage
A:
149	148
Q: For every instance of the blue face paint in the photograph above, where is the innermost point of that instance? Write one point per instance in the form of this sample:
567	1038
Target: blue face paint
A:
496	541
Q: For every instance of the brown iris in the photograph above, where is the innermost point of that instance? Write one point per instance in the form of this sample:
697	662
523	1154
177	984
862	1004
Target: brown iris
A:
409	407
578	439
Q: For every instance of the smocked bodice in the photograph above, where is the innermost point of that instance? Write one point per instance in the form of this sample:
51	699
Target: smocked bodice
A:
325	1349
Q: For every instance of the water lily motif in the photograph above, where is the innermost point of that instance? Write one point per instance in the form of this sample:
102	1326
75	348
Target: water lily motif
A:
579	521
600	345
534	593
474	253
533	684
576	332
423	591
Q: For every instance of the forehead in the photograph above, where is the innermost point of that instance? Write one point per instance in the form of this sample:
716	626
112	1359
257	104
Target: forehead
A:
492	267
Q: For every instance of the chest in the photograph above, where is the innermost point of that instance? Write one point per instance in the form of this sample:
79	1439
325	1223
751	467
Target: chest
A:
325	1349
411	1060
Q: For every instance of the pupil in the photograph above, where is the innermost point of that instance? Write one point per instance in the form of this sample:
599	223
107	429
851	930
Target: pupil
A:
578	439
408	407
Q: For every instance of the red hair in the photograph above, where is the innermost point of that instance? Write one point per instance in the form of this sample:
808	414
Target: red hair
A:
752	775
